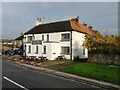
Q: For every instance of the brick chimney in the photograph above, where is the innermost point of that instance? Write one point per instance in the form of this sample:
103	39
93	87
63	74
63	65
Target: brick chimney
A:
75	19
90	27
85	24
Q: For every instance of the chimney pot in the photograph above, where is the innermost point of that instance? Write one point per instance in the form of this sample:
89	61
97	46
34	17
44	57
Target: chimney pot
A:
90	27
84	24
38	21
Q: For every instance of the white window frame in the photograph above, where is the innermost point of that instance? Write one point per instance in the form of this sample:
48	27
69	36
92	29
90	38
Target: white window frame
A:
65	37
65	50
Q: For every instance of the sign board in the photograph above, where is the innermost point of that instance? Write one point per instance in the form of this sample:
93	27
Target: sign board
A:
38	42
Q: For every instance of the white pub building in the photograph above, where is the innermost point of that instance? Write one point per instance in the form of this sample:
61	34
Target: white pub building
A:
54	39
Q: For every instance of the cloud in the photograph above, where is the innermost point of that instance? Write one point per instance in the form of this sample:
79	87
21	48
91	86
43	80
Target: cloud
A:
20	16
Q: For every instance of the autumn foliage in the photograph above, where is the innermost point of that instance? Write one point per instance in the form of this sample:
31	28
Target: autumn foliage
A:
102	44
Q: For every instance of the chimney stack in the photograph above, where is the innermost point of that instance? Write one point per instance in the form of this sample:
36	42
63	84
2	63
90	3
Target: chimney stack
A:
85	24
38	21
90	27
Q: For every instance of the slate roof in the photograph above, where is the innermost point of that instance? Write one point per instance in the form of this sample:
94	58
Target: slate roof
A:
61	26
19	38
50	27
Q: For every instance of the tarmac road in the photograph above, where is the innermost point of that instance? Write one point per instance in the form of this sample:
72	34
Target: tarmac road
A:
15	76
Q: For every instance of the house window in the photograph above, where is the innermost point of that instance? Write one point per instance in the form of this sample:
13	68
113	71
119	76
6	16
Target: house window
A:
36	49
83	51
29	39
65	37
42	37
25	47
29	49
65	50
47	37
44	50
33	37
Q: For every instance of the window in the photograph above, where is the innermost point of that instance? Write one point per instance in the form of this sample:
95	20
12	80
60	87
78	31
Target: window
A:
65	37
36	50
47	37
33	37
44	50
25	47
42	37
83	51
65	50
29	49
29	39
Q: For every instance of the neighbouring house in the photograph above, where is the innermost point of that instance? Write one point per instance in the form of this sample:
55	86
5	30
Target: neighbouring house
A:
57	38
18	42
7	44
0	47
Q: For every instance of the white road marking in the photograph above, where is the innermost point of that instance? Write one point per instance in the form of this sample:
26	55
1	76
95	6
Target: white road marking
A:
15	83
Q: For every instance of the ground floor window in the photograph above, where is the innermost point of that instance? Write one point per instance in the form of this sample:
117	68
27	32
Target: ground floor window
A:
65	50
83	51
44	50
36	50
25	47
29	49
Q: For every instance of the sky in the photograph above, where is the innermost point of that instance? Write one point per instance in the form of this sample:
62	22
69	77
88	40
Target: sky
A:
18	17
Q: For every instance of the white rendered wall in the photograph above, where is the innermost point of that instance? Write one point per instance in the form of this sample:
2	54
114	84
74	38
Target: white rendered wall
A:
56	37
65	43
77	48
51	47
56	50
48	50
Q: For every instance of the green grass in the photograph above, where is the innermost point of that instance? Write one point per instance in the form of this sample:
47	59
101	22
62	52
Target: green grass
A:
95	71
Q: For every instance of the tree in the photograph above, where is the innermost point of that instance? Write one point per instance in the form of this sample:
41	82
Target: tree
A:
94	42
101	44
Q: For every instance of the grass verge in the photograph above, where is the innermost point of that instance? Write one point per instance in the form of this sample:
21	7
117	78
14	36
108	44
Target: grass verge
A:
108	73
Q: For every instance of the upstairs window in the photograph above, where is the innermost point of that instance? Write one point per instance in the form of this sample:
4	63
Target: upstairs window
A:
29	39
33	37
47	37
42	37
65	50
65	37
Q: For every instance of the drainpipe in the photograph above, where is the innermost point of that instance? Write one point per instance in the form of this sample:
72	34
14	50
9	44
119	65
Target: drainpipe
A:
71	45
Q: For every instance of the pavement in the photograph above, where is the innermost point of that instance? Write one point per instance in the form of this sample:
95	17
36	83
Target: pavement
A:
83	80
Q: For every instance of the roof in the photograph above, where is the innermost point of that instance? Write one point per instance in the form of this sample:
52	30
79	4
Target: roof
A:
60	26
19	38
81	28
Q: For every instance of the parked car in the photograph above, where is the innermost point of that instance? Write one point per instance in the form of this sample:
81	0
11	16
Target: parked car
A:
18	51
8	52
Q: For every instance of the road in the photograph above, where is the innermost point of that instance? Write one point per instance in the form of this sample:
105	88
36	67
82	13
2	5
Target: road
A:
15	76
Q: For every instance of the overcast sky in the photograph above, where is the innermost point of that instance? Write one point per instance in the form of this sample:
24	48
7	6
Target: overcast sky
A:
19	17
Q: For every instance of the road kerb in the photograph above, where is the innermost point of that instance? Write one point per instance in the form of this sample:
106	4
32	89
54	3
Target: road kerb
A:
92	82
